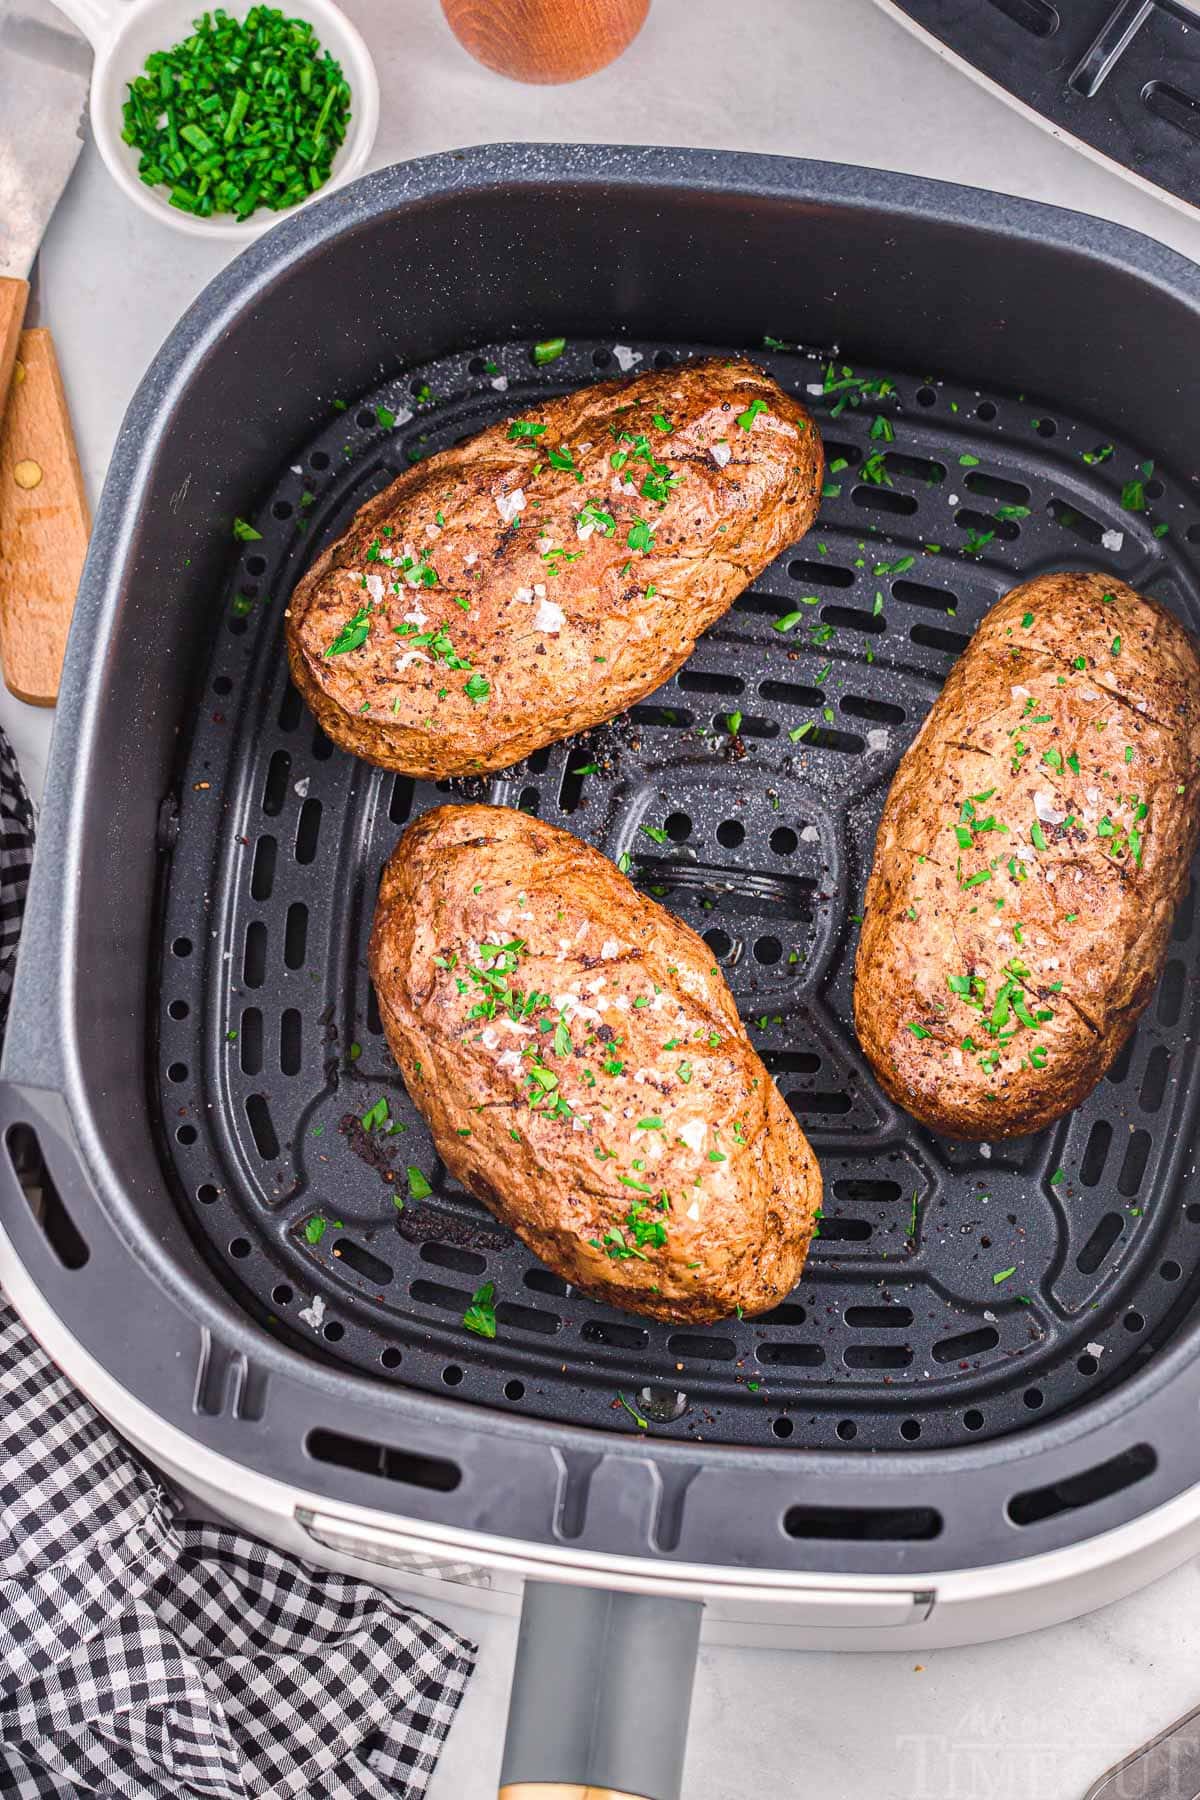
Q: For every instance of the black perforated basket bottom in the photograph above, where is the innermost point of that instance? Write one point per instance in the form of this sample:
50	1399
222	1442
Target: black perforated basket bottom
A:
905	1327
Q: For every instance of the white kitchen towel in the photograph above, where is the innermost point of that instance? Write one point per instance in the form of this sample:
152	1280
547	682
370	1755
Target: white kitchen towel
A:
147	1656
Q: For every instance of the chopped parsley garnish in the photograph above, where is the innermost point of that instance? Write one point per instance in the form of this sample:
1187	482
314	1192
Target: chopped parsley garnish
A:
1010	1011
638	1231
480	1316
525	428
418	1187
592	514
353	634
438	642
634	1414
245	533
746	419
851	389
1003	1275
660	487
315	1228
477	687
547	352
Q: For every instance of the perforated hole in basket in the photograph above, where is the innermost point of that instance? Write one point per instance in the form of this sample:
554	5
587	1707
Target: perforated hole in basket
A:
907	1327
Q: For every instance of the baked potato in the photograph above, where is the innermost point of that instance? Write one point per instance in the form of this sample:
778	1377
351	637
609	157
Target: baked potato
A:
552	570
1031	854
584	1071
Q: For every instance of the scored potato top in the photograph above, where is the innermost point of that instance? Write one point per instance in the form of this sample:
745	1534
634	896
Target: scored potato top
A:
1031	854
584	1070
541	576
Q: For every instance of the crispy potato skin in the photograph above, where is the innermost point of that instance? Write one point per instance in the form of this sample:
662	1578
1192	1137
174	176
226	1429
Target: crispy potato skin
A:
627	979
1063	752
563	644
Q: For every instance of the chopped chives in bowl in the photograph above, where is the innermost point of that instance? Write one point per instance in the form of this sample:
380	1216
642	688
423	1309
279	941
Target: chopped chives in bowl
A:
241	115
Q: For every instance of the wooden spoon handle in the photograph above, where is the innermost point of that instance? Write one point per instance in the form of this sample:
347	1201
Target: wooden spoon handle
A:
545	40
44	523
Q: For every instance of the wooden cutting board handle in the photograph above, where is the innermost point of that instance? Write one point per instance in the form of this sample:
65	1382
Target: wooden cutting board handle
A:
545	40
14	296
44	523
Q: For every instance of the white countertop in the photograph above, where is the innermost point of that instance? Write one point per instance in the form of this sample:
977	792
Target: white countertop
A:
1033	1719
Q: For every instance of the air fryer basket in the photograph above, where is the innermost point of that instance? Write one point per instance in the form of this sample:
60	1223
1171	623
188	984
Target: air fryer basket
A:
192	1038
906	1326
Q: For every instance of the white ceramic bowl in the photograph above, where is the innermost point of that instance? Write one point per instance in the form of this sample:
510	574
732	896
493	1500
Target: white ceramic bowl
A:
124	32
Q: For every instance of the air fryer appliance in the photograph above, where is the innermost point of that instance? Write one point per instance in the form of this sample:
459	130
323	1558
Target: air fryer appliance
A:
1118	78
976	1414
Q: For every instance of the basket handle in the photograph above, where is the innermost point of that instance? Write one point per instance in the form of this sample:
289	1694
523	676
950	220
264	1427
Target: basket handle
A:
601	1694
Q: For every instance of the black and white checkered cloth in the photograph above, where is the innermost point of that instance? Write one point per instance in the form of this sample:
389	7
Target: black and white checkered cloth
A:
16	854
146	1656
150	1657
